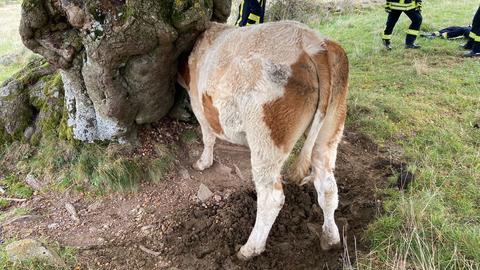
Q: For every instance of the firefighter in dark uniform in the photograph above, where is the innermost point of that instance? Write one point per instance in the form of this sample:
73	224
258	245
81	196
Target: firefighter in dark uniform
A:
473	43
412	9
451	32
251	12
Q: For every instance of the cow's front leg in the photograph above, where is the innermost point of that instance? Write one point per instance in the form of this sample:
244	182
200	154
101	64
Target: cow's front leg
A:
206	159
270	199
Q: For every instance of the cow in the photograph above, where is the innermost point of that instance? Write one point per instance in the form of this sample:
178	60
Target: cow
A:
266	87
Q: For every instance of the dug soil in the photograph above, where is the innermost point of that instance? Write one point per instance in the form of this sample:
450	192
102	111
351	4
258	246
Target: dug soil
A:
164	225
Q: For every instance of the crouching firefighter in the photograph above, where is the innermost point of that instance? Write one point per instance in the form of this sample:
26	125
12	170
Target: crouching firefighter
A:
412	9
451	32
251	12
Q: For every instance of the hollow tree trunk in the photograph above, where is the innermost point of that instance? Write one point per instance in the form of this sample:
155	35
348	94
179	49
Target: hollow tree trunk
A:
118	58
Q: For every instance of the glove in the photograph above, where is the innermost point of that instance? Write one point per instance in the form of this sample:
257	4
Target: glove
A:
387	8
419	6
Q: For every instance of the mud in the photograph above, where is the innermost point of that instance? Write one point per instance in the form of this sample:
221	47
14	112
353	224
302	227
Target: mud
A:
163	226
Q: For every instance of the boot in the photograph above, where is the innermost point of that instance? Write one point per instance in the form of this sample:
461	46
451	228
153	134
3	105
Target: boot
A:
412	46
410	42
475	52
471	54
387	44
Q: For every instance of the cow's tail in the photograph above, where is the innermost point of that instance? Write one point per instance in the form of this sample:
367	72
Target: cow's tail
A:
331	65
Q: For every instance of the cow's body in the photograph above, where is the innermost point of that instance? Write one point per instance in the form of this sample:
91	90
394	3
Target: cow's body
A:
264	86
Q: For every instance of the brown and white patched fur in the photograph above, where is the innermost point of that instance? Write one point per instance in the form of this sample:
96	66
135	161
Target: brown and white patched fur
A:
265	86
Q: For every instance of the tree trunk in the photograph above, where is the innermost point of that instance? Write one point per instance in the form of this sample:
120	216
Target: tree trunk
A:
118	58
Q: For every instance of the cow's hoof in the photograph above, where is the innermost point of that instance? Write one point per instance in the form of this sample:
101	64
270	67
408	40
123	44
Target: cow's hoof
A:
242	257
328	242
196	167
199	166
246	254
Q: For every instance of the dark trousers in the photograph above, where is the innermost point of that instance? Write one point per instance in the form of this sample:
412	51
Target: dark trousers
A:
251	12
475	33
455	31
412	32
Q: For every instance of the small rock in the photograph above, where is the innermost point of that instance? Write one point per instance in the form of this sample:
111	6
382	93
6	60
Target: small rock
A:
30	249
27	134
204	193
146	229
184	174
73	213
18	219
32	181
217	198
53	226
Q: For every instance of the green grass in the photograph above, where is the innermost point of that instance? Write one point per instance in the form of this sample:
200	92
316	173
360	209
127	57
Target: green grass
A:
10	41
189	136
15	187
96	168
426	101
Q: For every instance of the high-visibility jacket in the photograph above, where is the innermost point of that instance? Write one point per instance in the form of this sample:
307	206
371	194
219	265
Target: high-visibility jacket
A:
251	12
403	4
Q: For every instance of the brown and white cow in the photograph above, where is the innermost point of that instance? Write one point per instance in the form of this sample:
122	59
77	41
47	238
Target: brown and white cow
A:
265	86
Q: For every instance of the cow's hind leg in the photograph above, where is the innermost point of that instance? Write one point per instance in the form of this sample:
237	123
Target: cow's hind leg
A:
323	164
270	199
266	168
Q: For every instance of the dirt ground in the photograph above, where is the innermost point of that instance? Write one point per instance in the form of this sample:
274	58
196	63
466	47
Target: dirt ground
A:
164	226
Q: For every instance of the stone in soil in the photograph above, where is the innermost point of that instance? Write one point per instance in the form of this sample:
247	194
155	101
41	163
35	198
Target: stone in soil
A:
30	249
204	193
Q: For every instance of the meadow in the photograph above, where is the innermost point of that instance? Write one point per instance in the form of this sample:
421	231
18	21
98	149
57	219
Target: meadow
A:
423	105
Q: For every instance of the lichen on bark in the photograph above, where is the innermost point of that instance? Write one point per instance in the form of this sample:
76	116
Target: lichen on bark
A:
118	58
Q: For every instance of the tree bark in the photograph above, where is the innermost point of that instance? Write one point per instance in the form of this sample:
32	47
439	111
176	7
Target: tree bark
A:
118	58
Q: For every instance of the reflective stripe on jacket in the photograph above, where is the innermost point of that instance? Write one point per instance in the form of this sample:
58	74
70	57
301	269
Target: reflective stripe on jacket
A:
403	4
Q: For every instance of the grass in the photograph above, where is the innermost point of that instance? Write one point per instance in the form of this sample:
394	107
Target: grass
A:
190	136
10	41
15	187
426	101
91	168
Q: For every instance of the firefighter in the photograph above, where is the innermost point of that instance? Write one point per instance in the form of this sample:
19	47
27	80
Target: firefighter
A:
251	12
473	43
451	32
412	9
